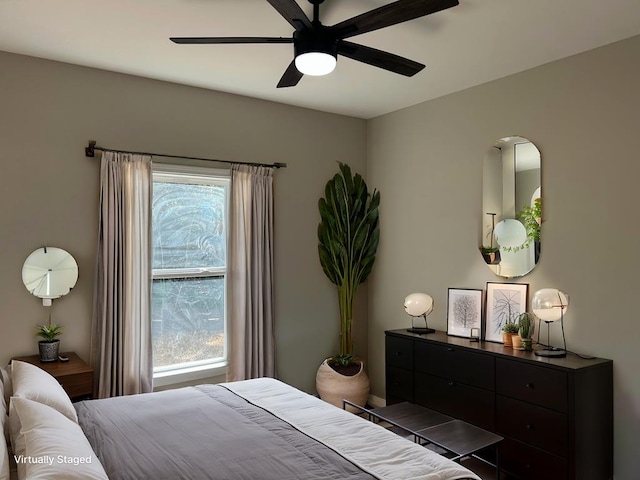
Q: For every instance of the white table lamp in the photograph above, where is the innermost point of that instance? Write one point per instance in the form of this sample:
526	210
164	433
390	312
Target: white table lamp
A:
419	305
550	305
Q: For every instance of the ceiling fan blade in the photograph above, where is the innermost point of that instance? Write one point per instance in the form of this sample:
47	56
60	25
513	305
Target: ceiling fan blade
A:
225	40
387	15
291	12
291	76
380	59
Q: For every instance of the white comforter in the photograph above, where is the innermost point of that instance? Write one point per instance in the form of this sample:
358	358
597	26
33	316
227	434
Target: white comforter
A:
376	450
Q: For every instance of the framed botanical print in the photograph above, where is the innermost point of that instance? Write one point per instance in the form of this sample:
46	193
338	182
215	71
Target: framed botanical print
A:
464	311
505	301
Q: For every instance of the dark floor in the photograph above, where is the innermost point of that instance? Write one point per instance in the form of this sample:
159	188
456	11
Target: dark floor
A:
484	471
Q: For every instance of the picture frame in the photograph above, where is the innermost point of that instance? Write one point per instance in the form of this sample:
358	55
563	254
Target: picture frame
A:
504	302
464	311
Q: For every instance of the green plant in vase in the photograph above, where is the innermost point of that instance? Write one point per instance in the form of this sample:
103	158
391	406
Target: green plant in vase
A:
491	254
49	332
526	326
49	345
348	236
509	332
510	328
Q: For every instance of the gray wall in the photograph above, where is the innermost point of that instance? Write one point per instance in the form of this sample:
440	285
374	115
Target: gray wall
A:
582	113
49	189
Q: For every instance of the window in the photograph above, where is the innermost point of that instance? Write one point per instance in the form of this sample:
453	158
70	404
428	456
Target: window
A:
189	231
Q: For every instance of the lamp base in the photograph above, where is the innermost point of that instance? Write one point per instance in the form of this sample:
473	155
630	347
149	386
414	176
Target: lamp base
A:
421	331
551	353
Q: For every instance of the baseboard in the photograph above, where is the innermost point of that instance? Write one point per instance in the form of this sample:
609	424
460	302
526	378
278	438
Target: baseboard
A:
376	402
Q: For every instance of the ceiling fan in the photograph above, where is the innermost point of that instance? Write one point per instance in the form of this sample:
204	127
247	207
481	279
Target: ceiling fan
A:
316	46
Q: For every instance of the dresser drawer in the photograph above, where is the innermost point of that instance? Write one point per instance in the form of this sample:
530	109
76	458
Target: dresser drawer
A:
540	385
77	385
529	463
399	385
531	424
471	404
457	364
399	352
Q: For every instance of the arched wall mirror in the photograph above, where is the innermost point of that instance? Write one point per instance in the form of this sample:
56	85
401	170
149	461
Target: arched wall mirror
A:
511	207
49	272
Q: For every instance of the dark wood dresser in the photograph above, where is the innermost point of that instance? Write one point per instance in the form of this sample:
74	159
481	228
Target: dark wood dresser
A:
556	415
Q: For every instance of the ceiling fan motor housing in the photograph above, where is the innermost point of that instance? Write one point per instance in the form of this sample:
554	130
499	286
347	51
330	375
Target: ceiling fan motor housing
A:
319	39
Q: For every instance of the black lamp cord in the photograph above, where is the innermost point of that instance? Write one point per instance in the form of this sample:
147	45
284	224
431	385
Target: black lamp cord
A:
564	340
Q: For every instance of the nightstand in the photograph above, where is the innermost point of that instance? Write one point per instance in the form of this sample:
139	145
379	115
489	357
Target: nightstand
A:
75	376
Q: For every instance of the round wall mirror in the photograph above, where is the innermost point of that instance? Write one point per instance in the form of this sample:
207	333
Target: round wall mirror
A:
511	207
49	272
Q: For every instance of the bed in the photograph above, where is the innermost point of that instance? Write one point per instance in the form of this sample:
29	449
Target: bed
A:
259	429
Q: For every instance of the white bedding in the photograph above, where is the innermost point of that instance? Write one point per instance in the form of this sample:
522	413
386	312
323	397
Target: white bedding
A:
376	450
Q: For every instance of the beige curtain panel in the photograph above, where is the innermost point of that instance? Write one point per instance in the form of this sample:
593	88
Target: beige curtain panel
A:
250	274
121	351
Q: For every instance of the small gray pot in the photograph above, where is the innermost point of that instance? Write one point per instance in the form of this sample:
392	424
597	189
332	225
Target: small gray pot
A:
49	350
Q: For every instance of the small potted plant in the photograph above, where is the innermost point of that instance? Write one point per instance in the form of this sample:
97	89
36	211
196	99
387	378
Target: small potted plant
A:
491	254
526	325
49	346
509	331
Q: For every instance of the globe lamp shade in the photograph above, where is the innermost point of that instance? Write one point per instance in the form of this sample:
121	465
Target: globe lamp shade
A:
419	305
510	233
549	304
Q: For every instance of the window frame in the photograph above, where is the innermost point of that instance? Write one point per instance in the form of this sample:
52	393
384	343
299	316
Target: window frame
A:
172	173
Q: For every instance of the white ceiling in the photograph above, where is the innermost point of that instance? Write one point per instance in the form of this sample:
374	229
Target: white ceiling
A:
472	43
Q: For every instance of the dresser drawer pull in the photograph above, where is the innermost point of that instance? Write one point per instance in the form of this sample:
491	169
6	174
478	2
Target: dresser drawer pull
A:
451	384
530	385
451	349
398	354
529	426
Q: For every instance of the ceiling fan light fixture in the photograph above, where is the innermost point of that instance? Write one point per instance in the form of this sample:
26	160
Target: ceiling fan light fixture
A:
316	63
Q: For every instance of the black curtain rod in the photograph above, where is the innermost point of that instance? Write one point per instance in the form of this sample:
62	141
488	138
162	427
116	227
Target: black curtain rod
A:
90	151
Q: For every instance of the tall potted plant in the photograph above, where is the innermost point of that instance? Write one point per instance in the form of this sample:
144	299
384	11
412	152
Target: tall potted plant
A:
348	236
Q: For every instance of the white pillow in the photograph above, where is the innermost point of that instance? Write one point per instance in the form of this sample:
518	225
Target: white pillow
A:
35	384
59	442
4	424
3	407
17	440
4	454
4	461
5	380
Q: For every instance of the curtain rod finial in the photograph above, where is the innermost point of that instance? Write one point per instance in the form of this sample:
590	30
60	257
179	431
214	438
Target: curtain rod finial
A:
280	165
90	150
